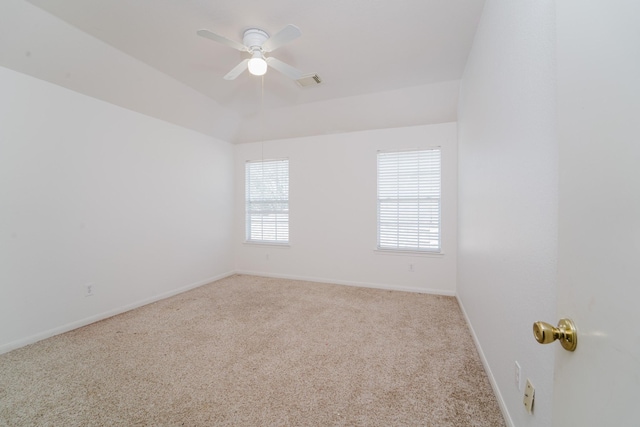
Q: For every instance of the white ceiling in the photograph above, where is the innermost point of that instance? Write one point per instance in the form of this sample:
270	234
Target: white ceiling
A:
358	47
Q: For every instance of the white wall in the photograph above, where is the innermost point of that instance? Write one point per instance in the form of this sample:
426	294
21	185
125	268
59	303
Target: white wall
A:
333	211
428	104
94	193
39	44
508	193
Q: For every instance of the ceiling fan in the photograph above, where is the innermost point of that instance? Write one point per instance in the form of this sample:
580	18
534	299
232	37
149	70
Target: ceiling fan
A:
257	42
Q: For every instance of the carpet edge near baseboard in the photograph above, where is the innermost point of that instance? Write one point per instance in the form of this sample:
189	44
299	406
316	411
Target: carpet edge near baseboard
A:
13	345
349	283
494	385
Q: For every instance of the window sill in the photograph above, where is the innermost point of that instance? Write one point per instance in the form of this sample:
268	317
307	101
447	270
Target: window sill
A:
276	244
396	252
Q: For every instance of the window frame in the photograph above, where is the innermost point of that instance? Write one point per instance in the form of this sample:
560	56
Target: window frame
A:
422	221
250	213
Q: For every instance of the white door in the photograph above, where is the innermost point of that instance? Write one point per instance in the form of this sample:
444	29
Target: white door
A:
599	212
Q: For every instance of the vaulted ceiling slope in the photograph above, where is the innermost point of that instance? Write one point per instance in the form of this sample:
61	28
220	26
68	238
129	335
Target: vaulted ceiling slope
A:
384	63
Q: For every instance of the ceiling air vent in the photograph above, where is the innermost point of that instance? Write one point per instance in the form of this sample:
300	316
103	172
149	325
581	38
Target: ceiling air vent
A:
309	80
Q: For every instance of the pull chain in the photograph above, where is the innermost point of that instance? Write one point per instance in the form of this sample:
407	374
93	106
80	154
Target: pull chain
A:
262	118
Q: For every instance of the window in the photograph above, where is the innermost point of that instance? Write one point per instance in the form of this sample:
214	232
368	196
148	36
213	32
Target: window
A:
409	200
267	201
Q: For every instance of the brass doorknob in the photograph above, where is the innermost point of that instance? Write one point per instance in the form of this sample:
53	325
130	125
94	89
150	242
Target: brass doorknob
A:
565	332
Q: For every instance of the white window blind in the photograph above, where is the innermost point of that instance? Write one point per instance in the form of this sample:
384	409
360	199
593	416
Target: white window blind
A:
409	200
267	201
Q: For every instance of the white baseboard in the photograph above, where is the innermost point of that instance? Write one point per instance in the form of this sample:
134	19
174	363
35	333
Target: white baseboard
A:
348	283
487	368
88	320
101	316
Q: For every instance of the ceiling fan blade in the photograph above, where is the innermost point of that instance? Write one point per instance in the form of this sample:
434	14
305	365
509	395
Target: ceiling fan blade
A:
218	38
287	34
286	69
237	70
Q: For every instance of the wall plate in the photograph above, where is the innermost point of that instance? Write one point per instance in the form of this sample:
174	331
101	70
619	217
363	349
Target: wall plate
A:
529	395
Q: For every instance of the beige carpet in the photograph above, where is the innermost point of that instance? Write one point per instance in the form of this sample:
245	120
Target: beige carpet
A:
251	351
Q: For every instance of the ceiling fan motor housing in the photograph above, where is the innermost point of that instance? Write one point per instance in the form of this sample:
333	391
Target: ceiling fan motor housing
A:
257	42
254	38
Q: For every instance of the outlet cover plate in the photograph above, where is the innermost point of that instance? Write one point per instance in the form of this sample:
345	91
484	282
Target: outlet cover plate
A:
529	395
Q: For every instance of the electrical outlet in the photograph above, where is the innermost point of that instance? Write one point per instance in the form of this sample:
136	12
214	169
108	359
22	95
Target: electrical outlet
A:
88	290
411	267
529	396
518	370
267	257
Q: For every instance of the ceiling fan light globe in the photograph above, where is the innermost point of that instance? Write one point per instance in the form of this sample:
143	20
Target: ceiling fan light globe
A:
257	66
